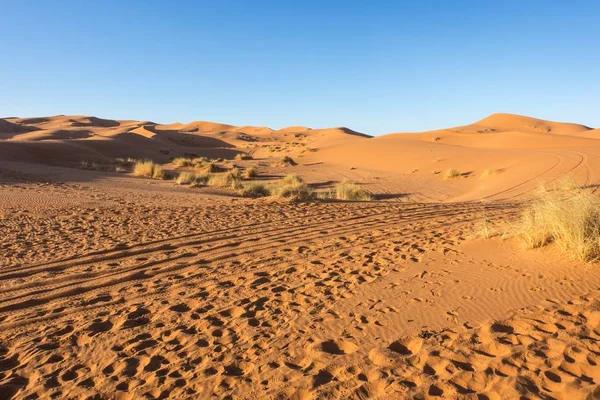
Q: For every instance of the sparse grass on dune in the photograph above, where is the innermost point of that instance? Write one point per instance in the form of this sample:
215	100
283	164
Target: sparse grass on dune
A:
348	190
149	169
183	161
255	189
95	166
249	173
124	164
243	156
571	220
490	172
452	173
185	178
225	179
292	187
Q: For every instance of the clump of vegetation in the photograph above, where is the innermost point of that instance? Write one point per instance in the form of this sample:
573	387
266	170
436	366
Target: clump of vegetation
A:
255	190
453	173
149	169
227	179
95	166
185	178
348	190
243	156
565	184
207	166
249	173
571	220
183	161
289	161
124	164
202	178
292	187
490	172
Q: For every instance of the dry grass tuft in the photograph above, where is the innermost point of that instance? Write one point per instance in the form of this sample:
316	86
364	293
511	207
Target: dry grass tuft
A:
348	190
226	179
249	173
185	178
183	161
571	220
452	173
124	164
243	156
287	160
292	187
490	172
255	190
149	169
95	166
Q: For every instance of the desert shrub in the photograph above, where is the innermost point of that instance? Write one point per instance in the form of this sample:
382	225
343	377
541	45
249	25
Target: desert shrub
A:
287	160
183	161
255	190
95	166
207	166
159	173
292	187
144	168
570	220
490	172
149	169
243	156
326	195
226	179
452	173
185	178
235	173
199	162
565	183
202	178
124	164
348	190
249	173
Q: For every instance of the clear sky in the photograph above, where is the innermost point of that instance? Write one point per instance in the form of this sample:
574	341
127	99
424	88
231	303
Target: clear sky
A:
373	66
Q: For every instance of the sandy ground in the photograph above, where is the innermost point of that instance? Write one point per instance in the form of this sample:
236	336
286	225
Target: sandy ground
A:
113	286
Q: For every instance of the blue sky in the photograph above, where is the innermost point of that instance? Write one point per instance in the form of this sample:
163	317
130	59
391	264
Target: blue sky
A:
374	66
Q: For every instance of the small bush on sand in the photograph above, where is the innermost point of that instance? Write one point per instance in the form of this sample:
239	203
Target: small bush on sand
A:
95	166
292	187
144	168
202	178
565	184
199	162
255	190
207	166
348	190
243	156
235	173
570	220
452	173
149	169
490	172
124	164
226	179
159	173
287	160
249	173
183	161
185	178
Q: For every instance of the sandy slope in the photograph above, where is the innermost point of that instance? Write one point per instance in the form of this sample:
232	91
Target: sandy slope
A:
121	287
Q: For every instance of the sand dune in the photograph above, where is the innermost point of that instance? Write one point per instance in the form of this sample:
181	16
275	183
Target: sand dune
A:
118	286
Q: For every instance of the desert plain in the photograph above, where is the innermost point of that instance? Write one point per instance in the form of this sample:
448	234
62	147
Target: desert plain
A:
183	284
